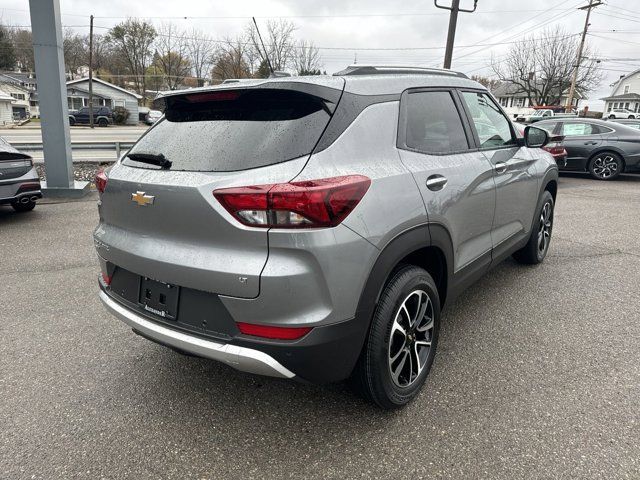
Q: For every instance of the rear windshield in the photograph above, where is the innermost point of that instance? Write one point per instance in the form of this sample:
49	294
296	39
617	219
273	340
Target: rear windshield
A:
229	130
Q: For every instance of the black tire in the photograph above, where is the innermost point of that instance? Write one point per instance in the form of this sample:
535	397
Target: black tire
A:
102	122
534	252
606	166
24	207
72	121
612	117
372	376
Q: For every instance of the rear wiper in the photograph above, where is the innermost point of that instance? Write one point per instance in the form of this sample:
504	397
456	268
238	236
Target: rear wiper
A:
151	159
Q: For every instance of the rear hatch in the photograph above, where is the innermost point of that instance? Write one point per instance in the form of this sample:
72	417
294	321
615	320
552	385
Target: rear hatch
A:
160	220
13	164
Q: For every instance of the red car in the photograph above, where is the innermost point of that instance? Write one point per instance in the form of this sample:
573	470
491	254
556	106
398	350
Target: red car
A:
554	147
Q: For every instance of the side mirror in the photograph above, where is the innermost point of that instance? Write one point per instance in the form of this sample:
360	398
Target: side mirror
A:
535	137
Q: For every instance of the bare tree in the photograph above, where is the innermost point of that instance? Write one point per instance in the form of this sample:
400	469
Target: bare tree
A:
172	58
278	40
231	60
132	39
490	83
202	53
75	52
23	48
542	67
307	59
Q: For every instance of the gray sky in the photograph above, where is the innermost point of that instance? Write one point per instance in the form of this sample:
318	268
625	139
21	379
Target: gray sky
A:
359	25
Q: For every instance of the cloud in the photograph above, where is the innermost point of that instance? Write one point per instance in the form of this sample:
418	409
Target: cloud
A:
495	21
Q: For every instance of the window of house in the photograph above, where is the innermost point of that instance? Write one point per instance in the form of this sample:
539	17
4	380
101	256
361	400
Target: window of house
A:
494	129
504	101
520	102
433	124
18	96
626	105
626	89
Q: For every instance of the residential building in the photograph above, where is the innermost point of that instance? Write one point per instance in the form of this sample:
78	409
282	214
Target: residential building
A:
6	112
104	94
625	93
515	102
26	107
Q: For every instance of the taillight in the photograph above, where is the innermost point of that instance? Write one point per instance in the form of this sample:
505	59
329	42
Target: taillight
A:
555	150
106	279
276	333
29	186
307	204
101	181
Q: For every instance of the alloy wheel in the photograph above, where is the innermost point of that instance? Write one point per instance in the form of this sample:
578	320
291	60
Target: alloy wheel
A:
410	339
544	228
605	166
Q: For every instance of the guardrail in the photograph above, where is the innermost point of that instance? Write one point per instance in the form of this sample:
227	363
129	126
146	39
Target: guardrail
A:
117	146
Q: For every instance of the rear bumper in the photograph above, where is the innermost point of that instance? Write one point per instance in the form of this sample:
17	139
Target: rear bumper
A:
326	354
25	188
240	358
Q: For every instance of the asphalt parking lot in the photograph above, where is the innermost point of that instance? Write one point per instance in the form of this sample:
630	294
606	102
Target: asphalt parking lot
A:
537	373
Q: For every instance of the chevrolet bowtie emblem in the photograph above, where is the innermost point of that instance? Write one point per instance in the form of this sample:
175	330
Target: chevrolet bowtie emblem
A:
141	199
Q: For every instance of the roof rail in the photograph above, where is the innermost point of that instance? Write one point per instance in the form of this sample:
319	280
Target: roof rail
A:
362	69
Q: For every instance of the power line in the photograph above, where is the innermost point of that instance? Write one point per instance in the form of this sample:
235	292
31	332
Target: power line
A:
511	28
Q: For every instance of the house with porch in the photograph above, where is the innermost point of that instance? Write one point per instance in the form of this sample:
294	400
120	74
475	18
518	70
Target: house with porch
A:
104	94
515	102
23	87
625	93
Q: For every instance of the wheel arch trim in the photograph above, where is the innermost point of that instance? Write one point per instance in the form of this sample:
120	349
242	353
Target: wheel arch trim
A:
402	245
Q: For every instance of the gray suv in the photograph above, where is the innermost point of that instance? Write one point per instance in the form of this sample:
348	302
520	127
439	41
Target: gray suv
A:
314	227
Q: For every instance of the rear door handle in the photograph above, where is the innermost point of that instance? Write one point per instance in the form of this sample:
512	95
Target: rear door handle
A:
590	143
436	182
500	167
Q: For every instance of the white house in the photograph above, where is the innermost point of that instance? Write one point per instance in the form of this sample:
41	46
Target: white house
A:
515	103
104	94
6	112
26	95
625	93
20	107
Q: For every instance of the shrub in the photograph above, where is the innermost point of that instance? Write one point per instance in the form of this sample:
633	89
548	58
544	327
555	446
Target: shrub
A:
120	115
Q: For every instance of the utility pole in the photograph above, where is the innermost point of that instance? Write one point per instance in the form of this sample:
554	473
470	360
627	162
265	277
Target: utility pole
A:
453	21
91	71
572	88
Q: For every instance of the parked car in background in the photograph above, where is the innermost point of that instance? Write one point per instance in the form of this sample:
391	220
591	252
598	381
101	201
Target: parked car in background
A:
633	123
19	181
152	117
314	229
622	113
102	116
539	115
555	146
604	149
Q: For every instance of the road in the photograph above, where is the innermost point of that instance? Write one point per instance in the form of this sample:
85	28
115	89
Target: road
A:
537	373
31	133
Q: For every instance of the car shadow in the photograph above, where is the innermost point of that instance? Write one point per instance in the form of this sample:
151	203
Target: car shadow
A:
625	177
174	385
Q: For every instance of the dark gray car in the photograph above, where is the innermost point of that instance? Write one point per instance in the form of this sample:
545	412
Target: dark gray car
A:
629	122
19	181
313	227
604	149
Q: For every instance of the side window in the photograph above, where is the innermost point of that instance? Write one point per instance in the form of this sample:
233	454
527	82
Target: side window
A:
433	123
494	129
578	129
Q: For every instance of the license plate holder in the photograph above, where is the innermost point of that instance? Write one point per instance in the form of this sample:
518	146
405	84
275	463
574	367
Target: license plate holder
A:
159	298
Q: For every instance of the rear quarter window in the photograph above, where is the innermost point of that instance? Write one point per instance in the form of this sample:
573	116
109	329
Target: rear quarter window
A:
230	130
